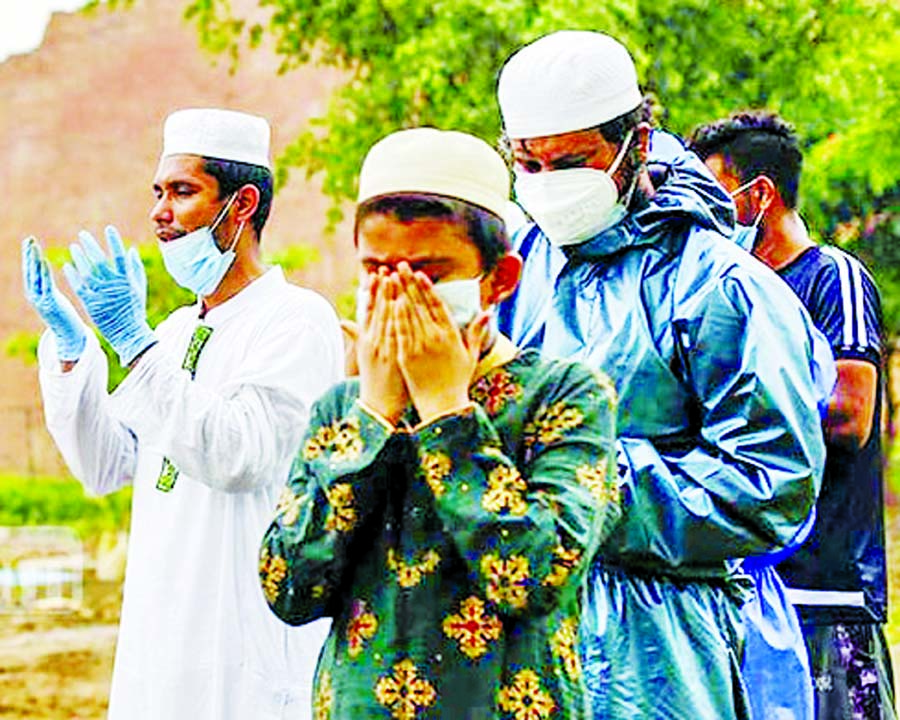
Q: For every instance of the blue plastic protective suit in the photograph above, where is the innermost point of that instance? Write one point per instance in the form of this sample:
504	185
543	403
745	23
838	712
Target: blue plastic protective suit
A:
720	444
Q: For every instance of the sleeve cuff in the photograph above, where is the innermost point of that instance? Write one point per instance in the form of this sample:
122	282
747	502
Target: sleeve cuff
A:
376	416
50	364
462	410
869	354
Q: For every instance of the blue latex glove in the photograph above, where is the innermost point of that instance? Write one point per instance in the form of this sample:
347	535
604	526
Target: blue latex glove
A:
113	291
54	308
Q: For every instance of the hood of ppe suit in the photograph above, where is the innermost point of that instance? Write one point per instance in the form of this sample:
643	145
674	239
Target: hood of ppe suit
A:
685	324
688	196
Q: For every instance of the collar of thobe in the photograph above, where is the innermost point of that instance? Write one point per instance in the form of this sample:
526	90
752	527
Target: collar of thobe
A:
250	296
502	351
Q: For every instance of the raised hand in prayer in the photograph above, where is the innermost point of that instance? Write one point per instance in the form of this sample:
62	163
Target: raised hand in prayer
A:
381	386
54	308
436	359
113	291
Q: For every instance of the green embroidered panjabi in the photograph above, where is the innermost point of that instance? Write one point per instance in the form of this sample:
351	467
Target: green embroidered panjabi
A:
450	555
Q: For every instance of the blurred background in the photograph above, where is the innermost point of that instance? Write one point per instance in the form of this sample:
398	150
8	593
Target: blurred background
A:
84	90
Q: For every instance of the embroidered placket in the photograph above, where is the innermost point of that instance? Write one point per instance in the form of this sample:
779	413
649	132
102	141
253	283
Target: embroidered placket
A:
168	474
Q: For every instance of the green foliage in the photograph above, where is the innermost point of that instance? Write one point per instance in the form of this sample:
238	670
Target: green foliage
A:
345	304
874	240
61	501
22	345
297	256
828	66
819	62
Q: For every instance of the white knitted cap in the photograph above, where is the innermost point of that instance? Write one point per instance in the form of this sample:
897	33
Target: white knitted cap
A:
566	81
436	162
216	133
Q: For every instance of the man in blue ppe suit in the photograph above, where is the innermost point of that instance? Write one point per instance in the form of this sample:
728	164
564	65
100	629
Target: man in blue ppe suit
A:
720	447
205	426
838	578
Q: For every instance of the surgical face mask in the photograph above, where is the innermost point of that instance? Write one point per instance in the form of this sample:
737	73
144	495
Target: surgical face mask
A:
462	298
745	236
194	260
573	205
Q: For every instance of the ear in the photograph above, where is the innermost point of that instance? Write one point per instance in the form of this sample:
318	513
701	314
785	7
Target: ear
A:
766	192
642	130
246	203
503	279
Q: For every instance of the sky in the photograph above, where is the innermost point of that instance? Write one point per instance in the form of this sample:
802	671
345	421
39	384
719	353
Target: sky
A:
23	22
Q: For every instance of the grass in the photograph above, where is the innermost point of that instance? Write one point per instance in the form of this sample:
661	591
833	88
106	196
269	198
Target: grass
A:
61	501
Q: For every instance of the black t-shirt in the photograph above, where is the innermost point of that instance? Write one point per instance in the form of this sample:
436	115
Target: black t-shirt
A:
841	568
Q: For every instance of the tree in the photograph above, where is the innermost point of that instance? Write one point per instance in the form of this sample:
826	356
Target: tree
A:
828	66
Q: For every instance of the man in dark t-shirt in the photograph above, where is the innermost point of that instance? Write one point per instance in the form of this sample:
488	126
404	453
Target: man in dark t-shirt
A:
837	579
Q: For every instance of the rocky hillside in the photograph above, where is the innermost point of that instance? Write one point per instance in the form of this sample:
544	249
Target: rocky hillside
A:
80	132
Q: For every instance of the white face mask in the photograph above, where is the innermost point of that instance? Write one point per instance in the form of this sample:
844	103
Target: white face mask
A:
462	298
194	260
573	205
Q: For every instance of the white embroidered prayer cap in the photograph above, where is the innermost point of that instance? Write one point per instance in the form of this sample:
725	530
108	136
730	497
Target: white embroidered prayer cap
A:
436	162
217	133
566	81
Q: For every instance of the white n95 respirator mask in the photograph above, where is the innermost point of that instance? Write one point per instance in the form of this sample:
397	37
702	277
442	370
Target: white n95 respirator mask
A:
573	205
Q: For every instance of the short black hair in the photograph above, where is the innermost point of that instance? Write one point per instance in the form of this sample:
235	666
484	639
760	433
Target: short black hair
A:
755	143
232	176
485	229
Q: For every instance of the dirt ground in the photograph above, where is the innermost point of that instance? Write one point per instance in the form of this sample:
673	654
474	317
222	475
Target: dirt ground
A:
57	667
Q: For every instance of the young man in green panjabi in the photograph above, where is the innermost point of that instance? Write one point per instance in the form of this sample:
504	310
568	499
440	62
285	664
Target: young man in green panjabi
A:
443	508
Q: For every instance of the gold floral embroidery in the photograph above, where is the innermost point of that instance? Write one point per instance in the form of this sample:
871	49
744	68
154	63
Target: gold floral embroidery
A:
341	513
505	488
362	626
472	628
436	467
593	478
494	389
551	423
289	506
272	569
506	579
525	698
562	565
324	698
319	443
341	439
411	574
564	644
404	692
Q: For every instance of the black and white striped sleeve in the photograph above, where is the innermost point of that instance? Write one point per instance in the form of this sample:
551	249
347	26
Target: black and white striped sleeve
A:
849	307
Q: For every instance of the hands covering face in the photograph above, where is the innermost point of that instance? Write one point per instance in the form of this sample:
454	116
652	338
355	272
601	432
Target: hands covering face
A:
410	350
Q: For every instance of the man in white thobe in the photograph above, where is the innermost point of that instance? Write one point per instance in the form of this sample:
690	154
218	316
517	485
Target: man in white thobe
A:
204	426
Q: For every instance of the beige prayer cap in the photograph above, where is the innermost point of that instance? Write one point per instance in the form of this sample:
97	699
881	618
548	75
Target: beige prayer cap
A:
566	81
436	162
216	133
